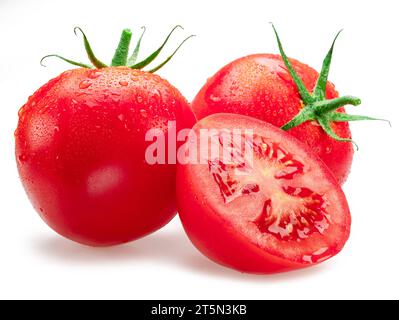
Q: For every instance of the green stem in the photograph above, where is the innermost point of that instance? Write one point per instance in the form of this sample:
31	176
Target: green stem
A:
122	52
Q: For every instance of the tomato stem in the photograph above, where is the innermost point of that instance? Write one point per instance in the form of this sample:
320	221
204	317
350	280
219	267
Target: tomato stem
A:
121	53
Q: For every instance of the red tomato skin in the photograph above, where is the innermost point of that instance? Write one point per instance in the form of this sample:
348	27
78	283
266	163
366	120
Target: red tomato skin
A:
214	235
80	150
260	86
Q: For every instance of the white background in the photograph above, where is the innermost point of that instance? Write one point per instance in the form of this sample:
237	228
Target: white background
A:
37	263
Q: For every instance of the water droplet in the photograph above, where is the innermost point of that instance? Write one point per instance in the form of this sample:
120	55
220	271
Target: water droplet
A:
214	98
22	158
328	149
121	117
314	123
307	258
143	113
285	76
56	129
139	99
44	109
85	84
95	74
22	111
123	83
116	99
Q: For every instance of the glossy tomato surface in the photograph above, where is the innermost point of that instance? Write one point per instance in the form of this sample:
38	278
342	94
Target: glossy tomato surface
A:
280	211
80	149
260	86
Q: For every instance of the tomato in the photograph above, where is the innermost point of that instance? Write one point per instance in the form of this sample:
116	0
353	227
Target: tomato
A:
277	90
281	211
80	149
260	86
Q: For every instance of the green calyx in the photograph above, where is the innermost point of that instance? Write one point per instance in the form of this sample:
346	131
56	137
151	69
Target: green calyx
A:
316	106
121	56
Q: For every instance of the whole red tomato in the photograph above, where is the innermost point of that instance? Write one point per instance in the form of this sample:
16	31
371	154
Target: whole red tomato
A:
80	148
277	90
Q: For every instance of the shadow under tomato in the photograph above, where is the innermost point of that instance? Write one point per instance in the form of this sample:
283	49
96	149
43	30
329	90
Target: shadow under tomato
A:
165	247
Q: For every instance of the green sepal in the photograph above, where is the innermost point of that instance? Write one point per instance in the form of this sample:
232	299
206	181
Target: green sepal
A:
343	117
122	52
133	58
325	106
325	124
317	107
306	114
304	93
74	63
155	54
170	57
319	92
96	62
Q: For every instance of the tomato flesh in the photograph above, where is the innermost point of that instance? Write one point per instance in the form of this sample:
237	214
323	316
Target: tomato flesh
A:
282	211
289	213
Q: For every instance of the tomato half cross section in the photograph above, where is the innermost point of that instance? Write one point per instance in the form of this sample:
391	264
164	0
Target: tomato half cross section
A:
262	203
